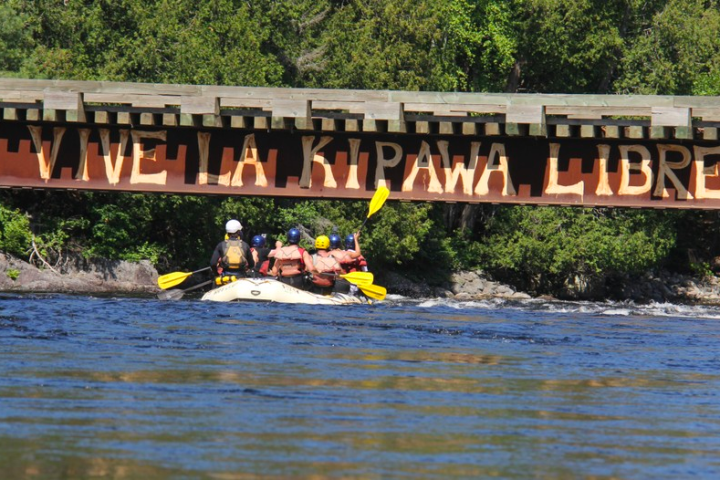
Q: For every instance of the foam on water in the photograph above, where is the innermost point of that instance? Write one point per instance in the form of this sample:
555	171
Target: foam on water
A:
608	308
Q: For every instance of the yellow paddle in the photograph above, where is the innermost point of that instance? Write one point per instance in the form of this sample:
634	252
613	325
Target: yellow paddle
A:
378	200
176	278
373	291
177	294
357	278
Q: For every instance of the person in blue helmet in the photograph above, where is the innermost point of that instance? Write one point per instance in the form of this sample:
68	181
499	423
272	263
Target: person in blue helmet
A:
344	258
292	261
231	257
353	261
260	253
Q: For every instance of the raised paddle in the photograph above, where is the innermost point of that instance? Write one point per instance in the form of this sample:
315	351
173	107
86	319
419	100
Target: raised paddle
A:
357	278
176	278
177	294
378	200
374	291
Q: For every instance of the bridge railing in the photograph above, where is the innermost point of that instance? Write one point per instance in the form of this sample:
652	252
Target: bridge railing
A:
609	116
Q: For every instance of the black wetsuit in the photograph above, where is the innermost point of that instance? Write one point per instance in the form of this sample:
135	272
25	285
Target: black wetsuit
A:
219	253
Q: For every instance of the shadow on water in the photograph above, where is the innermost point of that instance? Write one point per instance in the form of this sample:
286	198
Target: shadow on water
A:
139	388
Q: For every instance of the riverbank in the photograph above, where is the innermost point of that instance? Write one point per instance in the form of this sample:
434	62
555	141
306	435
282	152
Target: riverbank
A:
650	287
78	275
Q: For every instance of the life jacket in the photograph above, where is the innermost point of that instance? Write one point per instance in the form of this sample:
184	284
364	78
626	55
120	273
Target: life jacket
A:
355	265
264	267
233	255
326	264
289	262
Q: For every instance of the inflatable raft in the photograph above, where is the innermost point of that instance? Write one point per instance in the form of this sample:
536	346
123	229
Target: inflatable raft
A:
271	290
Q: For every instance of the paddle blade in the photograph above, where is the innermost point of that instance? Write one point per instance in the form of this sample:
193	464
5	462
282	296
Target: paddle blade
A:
176	278
359	278
378	200
172	279
374	291
176	294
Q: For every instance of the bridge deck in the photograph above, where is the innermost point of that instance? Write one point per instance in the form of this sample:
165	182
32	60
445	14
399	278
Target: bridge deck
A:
584	150
623	116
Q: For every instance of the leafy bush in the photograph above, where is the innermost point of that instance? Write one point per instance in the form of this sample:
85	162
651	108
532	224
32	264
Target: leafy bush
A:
537	248
15	235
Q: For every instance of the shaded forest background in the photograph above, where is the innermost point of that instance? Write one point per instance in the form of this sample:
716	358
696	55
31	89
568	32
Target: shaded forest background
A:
663	47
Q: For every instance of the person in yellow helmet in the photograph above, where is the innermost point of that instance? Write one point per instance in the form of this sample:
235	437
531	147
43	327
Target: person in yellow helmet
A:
326	267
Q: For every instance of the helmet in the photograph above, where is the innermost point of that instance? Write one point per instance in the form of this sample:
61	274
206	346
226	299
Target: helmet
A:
350	242
258	241
233	226
293	236
322	242
335	241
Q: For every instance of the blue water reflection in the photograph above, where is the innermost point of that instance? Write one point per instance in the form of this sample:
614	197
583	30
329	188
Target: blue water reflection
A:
139	388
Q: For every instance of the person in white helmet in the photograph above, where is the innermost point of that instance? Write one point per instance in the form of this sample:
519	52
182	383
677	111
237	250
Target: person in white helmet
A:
232	256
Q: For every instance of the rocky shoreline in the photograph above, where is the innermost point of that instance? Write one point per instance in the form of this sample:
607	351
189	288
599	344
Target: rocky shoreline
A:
78	275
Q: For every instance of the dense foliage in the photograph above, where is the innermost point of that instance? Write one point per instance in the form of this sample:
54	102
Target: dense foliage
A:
669	47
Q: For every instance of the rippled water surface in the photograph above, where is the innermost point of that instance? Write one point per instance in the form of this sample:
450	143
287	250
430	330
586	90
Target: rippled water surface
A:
139	388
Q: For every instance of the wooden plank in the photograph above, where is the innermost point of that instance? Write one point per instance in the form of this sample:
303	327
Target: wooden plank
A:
659	132
492	129
710	133
10	114
261	103
200	106
102	117
516	129
597	112
62	100
383	111
588	131
446	128
537	130
637	132
21	97
328	125
237	121
349	106
352	125
469	128
564	131
611	131
33	114
397	126
290	108
147	119
135	100
452	109
170	119
670	117
422	127
525	114
684	133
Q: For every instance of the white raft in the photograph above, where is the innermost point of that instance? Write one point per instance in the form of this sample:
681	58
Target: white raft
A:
271	290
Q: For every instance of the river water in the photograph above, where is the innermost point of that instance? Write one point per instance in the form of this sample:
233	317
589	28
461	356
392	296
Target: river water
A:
140	388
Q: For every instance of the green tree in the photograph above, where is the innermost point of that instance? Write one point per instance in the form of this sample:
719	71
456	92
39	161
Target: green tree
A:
674	52
15	235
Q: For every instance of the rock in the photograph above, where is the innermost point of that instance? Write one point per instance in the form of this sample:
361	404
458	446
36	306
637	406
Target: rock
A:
78	275
520	296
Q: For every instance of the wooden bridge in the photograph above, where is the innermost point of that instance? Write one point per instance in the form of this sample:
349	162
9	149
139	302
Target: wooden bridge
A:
590	150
